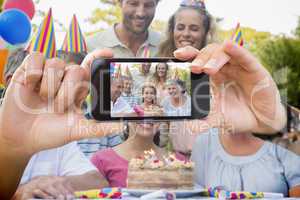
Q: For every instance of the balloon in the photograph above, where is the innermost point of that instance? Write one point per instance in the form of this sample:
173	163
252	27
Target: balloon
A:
15	27
27	6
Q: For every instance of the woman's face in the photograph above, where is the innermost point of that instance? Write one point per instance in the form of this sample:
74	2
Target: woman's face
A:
188	29
144	129
161	70
149	95
173	90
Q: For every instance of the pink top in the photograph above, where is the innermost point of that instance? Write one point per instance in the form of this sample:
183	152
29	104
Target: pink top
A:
115	168
112	166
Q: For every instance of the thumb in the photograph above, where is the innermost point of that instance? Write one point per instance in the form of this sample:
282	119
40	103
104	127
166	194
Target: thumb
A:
186	53
98	53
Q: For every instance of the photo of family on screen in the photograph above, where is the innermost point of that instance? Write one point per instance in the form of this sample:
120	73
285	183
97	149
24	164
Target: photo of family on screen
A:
150	89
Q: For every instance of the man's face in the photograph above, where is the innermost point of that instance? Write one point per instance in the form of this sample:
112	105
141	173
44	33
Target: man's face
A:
116	89
127	85
146	68
138	14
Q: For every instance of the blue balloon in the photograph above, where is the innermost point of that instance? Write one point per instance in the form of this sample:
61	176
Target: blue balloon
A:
15	26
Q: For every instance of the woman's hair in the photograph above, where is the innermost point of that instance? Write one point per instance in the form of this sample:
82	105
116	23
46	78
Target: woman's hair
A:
167	47
14	60
177	82
147	85
155	76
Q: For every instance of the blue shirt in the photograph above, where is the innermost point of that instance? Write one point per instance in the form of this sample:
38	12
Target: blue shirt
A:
271	169
91	145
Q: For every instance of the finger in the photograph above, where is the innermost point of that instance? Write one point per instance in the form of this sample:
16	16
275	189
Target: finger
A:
52	191
241	56
73	85
38	193
62	190
52	76
216	61
34	66
69	189
202	57
99	53
186	53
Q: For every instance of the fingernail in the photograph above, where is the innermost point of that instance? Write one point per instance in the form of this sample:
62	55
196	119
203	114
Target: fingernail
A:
197	63
212	63
180	50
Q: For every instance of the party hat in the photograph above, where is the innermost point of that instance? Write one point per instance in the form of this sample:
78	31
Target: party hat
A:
193	3
44	40
118	72
74	40
237	35
127	72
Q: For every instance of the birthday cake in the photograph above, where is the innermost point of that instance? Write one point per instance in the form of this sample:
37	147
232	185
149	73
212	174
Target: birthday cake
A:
151	173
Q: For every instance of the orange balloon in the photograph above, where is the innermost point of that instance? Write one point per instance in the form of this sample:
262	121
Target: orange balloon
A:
3	58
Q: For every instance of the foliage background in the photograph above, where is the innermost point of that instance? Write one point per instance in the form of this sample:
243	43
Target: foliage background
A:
280	54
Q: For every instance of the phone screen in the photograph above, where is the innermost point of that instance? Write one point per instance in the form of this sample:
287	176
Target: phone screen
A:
150	89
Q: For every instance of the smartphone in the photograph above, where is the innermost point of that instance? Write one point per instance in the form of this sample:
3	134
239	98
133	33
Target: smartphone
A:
147	89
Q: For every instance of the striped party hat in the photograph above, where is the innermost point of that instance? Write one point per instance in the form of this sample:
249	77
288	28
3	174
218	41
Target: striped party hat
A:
44	40
118	71
127	72
74	40
237	35
193	3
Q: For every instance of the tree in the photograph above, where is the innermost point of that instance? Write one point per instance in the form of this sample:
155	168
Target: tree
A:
281	55
1	2
252	38
297	30
110	13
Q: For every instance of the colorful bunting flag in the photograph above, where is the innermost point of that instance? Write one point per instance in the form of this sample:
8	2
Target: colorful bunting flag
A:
44	40
237	35
74	40
146	53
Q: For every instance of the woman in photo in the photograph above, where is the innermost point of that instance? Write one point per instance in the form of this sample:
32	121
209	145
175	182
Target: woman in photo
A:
178	101
159	78
149	106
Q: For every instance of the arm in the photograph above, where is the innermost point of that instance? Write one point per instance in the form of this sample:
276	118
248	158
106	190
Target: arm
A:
89	180
45	187
295	191
12	165
54	186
